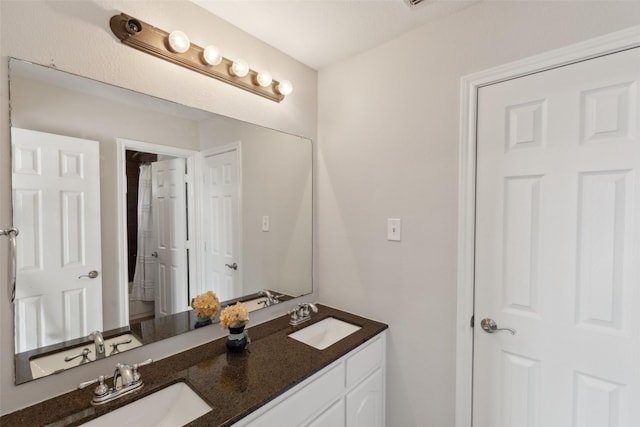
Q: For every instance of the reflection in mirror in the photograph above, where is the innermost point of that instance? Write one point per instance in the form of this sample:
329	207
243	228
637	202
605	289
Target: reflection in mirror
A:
129	206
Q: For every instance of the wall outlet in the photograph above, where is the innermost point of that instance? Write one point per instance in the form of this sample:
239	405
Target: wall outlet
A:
394	228
265	223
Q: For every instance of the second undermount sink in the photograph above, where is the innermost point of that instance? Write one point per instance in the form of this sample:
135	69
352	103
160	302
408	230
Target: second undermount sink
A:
173	406
324	333
55	362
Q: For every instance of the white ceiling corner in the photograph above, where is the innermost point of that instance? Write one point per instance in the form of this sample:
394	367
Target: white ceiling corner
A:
321	32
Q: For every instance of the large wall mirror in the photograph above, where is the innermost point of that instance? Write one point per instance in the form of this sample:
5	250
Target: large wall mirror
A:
129	206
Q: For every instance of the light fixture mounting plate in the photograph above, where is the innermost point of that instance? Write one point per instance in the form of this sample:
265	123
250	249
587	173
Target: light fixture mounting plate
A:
154	41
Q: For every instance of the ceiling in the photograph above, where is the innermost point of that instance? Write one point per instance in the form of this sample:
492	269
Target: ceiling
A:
321	32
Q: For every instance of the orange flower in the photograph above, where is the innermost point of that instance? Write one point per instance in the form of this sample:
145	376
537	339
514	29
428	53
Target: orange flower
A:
206	305
234	316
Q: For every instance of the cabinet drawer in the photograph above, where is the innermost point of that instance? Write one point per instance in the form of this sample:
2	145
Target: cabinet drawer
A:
331	417
304	400
365	361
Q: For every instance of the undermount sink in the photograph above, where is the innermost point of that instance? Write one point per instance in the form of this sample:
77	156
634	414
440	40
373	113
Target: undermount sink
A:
55	362
324	333
173	406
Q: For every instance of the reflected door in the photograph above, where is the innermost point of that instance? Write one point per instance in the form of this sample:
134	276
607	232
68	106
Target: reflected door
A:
56	207
558	247
221	223
169	212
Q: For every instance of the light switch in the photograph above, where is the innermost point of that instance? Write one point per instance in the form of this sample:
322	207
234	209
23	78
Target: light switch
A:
394	227
265	223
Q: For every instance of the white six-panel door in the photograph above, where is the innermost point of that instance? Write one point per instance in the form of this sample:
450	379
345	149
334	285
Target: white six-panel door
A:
558	247
56	206
169	212
221	225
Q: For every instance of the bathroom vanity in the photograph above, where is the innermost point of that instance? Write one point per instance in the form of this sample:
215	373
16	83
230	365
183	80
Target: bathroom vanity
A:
277	378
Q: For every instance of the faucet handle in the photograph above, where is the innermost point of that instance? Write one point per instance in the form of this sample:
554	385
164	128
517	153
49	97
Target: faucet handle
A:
84	354
146	362
101	389
294	313
114	346
136	374
305	306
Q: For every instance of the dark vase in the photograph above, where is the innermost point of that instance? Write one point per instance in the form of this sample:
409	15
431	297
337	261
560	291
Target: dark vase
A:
237	340
202	322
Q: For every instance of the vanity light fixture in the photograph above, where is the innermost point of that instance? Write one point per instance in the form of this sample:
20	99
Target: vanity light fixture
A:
212	55
178	41
240	68
264	79
175	47
284	88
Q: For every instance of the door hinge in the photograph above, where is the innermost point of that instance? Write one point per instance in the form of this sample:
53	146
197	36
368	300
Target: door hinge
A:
472	321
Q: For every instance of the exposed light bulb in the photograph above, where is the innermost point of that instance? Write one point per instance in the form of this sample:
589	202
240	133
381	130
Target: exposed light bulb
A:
240	68
264	79
179	42
285	87
212	55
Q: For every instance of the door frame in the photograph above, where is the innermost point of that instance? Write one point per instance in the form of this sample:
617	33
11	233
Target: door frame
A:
237	147
469	85
193	165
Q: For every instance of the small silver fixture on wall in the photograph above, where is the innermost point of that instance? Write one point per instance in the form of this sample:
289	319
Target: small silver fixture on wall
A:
12	233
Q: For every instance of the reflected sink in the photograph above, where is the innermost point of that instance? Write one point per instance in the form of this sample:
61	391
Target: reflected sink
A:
324	333
254	304
173	406
46	365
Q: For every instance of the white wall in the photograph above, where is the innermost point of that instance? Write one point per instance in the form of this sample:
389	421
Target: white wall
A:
75	36
388	146
276	181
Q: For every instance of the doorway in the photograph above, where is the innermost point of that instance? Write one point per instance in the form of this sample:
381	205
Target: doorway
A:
157	205
561	293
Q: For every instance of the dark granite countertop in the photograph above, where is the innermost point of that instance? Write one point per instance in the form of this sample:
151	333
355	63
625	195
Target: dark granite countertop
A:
233	384
147	332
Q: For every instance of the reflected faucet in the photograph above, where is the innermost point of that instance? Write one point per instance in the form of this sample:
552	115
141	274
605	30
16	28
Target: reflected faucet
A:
271	299
98	340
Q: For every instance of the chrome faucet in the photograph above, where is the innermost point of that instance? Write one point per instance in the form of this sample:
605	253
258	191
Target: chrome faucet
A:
271	298
98	340
126	379
301	313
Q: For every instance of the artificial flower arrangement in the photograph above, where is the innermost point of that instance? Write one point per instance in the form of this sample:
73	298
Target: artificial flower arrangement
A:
206	305
234	316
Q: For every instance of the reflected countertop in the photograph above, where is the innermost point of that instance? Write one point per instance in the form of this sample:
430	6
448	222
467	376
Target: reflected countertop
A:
147	332
233	384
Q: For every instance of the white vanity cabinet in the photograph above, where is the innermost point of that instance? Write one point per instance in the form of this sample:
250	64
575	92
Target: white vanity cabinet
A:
350	392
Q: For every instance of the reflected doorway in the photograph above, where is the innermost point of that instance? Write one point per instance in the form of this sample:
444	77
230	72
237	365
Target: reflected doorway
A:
157	195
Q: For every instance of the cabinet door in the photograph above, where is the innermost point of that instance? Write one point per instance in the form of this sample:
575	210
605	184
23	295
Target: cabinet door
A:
332	417
306	399
365	404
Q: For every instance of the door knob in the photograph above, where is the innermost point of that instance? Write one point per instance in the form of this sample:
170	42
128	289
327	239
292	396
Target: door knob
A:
233	266
92	275
490	326
154	254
